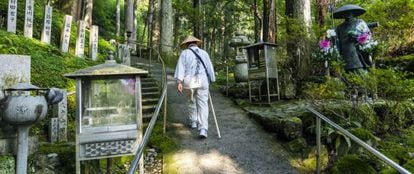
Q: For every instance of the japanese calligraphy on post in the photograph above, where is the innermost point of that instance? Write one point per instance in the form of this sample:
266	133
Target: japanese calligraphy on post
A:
93	42
11	16
47	26
80	41
28	19
65	37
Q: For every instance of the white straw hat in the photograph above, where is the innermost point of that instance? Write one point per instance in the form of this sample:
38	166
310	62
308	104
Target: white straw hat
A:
190	39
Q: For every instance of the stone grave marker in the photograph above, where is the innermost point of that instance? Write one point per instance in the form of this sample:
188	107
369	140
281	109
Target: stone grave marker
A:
53	130
80	40
12	16
47	26
124	55
28	19
65	37
93	42
60	112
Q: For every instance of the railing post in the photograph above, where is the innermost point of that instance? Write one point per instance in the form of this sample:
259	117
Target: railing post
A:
165	113
318	145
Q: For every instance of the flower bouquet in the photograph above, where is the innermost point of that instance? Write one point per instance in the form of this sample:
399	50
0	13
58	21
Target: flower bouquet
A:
327	50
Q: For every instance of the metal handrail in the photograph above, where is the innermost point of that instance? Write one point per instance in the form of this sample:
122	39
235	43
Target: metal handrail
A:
154	117
381	156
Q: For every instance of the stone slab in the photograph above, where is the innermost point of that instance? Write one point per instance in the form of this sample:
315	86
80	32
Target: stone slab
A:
14	69
93	42
80	40
12	16
60	111
53	130
65	37
47	26
28	19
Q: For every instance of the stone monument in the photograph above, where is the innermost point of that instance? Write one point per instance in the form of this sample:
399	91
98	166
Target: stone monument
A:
80	40
47	26
65	37
28	19
12	16
93	42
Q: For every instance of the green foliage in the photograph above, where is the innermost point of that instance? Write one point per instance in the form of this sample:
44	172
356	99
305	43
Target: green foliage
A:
403	63
332	88
351	164
161	140
386	83
7	164
104	15
57	26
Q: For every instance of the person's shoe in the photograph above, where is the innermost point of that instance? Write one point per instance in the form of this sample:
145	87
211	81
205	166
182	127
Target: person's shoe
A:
203	134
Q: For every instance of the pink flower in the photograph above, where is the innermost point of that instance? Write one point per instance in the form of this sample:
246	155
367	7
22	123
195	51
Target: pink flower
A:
324	44
362	38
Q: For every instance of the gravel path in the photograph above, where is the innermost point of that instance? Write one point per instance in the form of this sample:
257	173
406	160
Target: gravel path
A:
244	147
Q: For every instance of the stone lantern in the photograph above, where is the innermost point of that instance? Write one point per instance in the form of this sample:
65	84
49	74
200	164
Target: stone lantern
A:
240	69
109	111
23	105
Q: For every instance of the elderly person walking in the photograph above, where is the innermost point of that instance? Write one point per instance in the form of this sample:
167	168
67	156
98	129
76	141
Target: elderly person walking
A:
194	72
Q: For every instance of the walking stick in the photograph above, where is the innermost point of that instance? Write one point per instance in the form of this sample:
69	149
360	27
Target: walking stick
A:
214	115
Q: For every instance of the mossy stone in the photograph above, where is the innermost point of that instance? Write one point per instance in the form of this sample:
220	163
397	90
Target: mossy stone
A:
352	164
297	145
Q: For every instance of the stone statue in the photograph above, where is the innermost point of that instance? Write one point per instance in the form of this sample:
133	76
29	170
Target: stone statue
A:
349	34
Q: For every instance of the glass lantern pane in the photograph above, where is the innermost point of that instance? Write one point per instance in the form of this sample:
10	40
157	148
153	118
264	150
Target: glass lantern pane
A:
108	104
271	62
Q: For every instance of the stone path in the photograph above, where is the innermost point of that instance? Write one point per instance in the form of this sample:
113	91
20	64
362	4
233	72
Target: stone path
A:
244	147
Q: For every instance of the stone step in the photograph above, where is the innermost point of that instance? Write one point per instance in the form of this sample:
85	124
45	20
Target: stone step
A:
149	101
150	95
149	89
148	109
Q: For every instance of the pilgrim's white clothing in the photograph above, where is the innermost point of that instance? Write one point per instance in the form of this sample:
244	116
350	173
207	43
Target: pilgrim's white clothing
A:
189	65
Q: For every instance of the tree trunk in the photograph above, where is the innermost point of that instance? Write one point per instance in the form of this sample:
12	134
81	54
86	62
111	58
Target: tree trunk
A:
118	18
265	27
150	22
134	24
88	12
197	23
257	22
129	18
167	37
272	36
77	9
298	28
322	5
